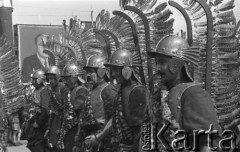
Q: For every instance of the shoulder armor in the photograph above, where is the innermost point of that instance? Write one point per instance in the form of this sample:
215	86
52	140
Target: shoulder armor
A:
80	90
174	99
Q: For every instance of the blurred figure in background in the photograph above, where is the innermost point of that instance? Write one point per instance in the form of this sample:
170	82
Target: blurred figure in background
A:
82	122
39	113
59	99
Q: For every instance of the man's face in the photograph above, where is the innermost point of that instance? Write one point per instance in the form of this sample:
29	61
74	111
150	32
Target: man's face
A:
35	82
162	69
51	78
116	73
92	76
40	47
69	82
78	103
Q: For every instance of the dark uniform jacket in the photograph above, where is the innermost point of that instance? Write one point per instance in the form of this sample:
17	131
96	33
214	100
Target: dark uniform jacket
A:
36	135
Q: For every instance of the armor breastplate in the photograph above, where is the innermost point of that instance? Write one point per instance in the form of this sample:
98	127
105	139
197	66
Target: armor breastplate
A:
73	93
125	97
174	100
97	103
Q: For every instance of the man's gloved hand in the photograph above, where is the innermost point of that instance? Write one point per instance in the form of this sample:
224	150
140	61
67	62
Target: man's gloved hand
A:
126	148
76	149
205	149
35	125
91	141
46	133
76	139
60	145
50	144
233	124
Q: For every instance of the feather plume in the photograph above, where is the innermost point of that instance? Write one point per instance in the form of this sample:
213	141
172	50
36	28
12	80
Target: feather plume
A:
75	45
13	98
226	5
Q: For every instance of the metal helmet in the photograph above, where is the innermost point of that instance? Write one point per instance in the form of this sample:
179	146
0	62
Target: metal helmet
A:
38	74
174	46
72	70
120	58
54	70
124	58
95	61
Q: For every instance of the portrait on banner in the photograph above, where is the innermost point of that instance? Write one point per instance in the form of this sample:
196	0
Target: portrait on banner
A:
31	50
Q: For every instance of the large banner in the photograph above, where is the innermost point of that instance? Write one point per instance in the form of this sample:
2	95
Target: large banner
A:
27	47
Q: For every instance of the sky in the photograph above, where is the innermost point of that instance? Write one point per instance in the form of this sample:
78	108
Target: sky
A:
52	12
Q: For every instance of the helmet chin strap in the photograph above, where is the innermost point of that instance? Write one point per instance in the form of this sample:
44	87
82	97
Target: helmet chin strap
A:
175	65
187	72
81	79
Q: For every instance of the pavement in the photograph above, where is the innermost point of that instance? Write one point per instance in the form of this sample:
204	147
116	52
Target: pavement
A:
21	148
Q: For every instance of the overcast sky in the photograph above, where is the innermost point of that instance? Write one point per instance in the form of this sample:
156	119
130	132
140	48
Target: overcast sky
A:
52	12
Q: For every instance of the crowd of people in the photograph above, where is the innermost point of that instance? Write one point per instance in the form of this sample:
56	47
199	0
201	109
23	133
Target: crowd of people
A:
102	106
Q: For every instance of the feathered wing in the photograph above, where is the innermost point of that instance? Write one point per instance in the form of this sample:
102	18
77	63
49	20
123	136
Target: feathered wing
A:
224	59
118	28
123	3
84	42
13	98
75	44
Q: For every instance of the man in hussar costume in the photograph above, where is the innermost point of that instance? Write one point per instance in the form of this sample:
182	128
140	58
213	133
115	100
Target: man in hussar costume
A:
82	122
190	105
131	102
36	125
102	99
59	97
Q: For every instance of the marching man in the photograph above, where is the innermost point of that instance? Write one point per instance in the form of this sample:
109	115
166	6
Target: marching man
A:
131	103
190	105
82	122
59	98
36	125
102	99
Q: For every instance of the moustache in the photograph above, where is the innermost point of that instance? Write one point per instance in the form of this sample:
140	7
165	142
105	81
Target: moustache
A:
89	78
51	83
160	73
